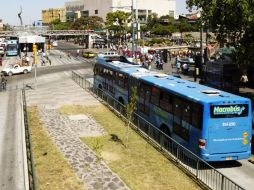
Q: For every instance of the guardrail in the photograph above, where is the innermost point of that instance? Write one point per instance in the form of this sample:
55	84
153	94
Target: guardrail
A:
200	170
30	162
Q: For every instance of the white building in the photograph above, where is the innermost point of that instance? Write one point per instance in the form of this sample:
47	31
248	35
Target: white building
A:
102	7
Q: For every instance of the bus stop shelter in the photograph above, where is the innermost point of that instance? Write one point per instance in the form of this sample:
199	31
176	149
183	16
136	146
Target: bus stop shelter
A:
26	43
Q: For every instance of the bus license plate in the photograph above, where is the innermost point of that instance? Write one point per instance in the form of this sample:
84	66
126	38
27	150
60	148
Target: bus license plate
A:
229	158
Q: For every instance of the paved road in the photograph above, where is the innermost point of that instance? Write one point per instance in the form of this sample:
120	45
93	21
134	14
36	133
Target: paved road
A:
12	153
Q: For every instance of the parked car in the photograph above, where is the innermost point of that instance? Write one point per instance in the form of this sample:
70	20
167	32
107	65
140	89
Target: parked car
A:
16	69
88	54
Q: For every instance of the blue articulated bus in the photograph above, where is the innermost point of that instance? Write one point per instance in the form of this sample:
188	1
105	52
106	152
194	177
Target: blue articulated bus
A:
213	124
12	48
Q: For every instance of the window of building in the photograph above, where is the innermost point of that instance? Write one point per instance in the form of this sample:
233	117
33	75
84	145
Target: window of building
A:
96	12
141	11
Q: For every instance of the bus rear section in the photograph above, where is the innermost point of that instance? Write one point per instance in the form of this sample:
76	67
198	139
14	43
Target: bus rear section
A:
227	135
12	48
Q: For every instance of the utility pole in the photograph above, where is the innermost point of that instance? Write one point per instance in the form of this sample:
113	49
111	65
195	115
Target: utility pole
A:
132	26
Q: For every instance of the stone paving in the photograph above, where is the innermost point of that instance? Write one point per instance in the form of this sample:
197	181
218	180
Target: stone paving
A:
65	133
66	130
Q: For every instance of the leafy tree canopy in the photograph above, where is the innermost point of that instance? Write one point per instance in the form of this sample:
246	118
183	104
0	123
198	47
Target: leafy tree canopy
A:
117	20
84	23
233	23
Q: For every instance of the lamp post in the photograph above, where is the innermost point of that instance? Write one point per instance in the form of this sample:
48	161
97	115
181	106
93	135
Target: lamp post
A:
132	26
201	53
201	43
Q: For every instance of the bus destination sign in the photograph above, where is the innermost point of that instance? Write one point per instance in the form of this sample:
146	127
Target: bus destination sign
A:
228	111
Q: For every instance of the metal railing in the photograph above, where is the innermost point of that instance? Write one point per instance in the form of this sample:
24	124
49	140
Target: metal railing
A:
29	150
200	170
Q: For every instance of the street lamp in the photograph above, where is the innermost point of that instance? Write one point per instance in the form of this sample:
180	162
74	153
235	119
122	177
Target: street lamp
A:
132	26
201	43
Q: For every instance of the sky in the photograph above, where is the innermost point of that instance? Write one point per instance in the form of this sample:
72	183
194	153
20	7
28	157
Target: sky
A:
31	9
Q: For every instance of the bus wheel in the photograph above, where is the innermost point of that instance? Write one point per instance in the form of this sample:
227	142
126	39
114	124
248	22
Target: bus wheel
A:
164	128
167	142
25	71
120	99
10	73
99	90
120	106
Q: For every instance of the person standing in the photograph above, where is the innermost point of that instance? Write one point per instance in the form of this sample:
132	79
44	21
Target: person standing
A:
77	52
3	82
244	80
185	68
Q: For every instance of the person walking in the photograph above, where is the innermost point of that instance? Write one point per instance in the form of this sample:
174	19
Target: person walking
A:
185	68
178	65
244	80
77	52
3	82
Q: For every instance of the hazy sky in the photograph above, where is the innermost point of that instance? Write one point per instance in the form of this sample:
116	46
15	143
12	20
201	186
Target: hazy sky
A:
32	9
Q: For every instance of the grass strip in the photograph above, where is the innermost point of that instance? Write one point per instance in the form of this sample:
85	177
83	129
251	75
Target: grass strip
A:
140	165
52	170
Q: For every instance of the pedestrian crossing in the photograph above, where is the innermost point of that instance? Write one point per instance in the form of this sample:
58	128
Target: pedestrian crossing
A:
60	58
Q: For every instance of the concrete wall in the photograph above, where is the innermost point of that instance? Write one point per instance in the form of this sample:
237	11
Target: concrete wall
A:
161	7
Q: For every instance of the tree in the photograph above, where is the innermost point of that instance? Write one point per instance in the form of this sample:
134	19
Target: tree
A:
58	25
117	22
7	27
85	23
130	110
230	29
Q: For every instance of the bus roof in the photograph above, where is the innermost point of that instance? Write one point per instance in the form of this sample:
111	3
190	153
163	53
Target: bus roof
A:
184	88
191	90
114	63
12	42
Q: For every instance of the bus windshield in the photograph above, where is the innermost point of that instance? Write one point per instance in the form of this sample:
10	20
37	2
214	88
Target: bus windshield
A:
12	47
229	111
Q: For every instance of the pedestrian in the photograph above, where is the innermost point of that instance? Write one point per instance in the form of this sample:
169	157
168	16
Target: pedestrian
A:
3	82
244	80
69	55
185	68
77	52
27	60
161	65
178	65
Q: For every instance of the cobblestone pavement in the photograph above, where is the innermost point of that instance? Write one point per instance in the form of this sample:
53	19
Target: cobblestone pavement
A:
66	130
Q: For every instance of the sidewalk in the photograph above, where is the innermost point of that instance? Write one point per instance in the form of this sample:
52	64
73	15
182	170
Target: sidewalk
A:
167	68
65	130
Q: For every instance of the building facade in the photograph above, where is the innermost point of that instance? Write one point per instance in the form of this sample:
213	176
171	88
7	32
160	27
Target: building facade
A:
100	8
51	15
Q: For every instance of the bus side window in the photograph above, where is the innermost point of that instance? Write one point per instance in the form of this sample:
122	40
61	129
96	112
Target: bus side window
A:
155	96
144	94
186	112
177	106
166	101
196	116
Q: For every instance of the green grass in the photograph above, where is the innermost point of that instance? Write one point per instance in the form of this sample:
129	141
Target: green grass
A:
140	165
52	170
